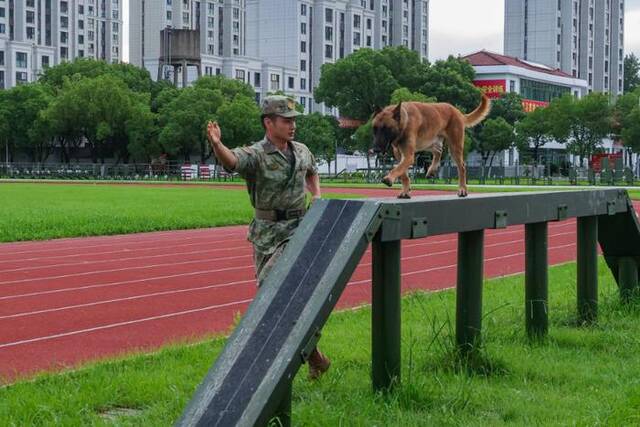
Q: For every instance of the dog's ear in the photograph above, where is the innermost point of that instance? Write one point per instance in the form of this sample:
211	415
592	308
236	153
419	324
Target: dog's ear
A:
397	112
376	110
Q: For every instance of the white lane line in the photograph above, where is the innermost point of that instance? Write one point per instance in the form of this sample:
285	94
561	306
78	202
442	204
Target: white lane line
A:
135	297
444	267
123	282
115	325
124	250
131	241
115	270
103	261
425	243
251	266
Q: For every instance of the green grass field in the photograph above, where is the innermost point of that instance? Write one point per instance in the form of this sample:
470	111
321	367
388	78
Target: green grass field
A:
32	211
577	376
47	211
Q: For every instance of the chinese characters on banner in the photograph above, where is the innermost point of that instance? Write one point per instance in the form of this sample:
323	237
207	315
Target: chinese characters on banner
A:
496	88
492	88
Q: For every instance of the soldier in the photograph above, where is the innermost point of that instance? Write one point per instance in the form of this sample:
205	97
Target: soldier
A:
277	171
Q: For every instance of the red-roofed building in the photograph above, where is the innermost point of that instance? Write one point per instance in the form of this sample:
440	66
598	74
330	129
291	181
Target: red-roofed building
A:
536	83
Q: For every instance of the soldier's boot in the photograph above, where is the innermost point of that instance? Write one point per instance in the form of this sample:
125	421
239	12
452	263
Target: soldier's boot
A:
318	364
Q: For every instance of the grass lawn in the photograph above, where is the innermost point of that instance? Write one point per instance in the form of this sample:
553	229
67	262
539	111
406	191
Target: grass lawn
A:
577	376
46	211
33	211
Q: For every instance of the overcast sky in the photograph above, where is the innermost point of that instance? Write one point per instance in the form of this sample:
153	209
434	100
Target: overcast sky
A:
465	26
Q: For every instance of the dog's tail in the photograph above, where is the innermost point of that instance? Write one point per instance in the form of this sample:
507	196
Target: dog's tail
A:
478	115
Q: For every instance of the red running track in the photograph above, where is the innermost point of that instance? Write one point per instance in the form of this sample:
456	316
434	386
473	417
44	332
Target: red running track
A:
67	301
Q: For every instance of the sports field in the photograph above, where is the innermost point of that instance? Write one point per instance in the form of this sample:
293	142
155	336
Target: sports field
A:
65	303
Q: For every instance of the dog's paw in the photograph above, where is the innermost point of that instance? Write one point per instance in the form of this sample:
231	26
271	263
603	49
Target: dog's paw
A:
404	196
387	181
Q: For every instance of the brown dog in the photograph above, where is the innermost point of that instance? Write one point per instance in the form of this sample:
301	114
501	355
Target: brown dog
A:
411	127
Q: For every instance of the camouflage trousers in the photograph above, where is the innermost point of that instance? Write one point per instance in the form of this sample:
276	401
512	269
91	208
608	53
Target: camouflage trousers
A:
264	262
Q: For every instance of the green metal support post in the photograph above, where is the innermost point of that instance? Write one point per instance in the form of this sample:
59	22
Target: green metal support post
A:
283	413
587	289
536	279
469	290
385	321
628	278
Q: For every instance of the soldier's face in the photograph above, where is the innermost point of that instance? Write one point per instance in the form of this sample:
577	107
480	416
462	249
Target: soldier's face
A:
282	128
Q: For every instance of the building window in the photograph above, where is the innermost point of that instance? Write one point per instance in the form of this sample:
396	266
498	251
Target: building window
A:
21	60
303	28
303	46
21	78
31	16
328	15
303	65
356	21
538	91
369	43
328	51
64	52
303	84
1	57
31	33
168	15
1	79
328	33
303	9
64	22
303	101
80	9
275	82
368	23
256	79
356	39
291	83
240	75
64	37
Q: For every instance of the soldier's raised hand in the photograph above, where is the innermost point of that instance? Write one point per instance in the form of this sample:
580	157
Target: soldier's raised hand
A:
213	134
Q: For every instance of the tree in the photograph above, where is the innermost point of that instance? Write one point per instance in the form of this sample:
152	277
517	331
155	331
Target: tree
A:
183	121
631	72
99	109
30	130
356	84
451	81
239	121
317	132
533	132
229	88
496	135
403	95
135	78
509	107
581	123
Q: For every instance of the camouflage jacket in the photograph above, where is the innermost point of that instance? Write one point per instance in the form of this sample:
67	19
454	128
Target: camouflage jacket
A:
273	184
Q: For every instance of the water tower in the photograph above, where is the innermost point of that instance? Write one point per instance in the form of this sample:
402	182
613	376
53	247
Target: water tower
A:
179	49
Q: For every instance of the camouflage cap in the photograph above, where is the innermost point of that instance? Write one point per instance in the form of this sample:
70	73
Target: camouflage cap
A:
280	106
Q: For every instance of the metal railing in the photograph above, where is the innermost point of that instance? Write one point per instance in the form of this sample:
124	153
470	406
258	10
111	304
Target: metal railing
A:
251	381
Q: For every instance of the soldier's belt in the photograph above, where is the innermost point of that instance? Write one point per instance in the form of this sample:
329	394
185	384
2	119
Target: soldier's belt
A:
279	215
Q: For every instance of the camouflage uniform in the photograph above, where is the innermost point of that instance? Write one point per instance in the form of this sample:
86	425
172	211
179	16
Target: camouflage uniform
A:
274	185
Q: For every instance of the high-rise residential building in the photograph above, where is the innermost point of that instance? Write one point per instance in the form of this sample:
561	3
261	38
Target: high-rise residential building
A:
35	34
276	45
222	31
305	34
583	38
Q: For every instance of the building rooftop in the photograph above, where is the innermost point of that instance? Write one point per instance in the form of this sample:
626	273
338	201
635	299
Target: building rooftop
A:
486	58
